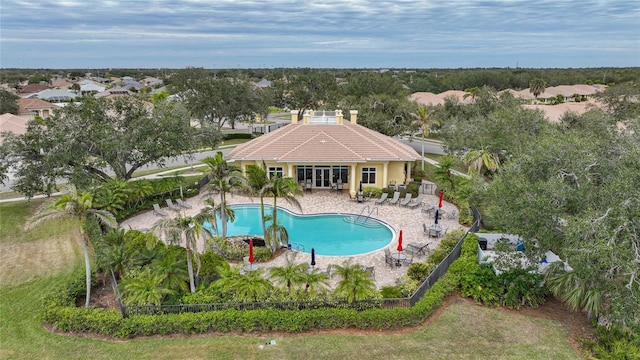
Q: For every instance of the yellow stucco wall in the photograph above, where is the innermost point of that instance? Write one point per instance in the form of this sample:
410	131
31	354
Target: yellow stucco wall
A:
395	171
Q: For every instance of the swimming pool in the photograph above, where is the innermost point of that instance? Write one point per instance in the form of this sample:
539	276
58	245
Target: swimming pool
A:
328	234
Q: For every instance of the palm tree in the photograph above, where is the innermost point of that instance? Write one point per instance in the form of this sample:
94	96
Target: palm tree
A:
315	281
174	271
474	92
112	195
144	289
187	229
113	253
537	86
291	274
355	284
423	117
138	190
287	189
476	160
578	293
444	172
224	179
251	286
79	207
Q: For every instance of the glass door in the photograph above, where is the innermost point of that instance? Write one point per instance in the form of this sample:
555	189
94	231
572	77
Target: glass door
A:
323	178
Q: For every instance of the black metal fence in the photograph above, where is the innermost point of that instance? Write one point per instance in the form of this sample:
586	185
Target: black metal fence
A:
439	271
443	266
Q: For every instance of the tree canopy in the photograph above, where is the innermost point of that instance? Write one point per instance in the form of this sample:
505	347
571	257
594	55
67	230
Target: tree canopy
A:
96	139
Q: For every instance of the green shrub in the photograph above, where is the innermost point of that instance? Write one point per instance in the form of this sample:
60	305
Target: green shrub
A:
522	288
232	136
208	263
419	271
390	292
614	344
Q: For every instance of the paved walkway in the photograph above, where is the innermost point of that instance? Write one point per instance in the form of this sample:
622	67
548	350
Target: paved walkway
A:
400	218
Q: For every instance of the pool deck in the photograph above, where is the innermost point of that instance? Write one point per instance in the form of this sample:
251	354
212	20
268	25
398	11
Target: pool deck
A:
399	218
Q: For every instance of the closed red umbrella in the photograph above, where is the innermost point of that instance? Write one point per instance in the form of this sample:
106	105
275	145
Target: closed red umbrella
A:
400	241
251	251
440	201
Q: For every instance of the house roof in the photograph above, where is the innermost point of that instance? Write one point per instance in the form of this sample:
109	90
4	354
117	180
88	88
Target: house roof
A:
12	123
333	143
26	106
54	95
32	88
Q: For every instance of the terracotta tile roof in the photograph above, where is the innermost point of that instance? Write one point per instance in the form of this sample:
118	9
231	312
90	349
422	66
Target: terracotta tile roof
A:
32	88
26	106
324	143
13	123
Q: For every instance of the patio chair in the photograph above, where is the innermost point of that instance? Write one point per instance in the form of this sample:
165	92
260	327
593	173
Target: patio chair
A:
328	271
407	200
371	270
396	198
183	204
158	211
426	208
307	187
382	199
415	202
340	186
452	215
425	230
408	260
388	260
172	206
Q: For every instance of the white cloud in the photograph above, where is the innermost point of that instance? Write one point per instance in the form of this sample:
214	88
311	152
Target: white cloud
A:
381	30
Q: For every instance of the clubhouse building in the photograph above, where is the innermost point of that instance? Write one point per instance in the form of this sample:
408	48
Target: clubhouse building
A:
325	151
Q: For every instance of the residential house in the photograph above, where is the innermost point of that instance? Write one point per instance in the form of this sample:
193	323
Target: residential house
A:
30	108
325	149
54	95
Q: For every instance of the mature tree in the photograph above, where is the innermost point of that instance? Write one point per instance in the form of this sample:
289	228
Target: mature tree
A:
385	114
306	91
185	230
537	86
8	102
96	138
225	178
575	192
217	101
622	100
79	207
356	283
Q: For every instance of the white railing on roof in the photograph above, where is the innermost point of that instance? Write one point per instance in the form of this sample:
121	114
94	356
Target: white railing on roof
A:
323	117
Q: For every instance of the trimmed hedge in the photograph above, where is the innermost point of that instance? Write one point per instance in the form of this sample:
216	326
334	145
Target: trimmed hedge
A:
65	316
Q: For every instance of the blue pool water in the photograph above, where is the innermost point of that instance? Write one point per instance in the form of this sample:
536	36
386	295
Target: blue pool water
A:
328	234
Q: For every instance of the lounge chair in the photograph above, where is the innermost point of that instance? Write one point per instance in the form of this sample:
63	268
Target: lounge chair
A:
396	198
183	204
158	211
382	199
172	206
415	202
417	248
407	200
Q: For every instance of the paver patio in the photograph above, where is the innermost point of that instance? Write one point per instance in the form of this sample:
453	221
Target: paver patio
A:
399	218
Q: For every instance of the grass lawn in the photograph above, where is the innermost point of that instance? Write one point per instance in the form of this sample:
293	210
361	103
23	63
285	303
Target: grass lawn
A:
462	331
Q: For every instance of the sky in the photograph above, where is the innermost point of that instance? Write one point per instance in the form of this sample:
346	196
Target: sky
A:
88	34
